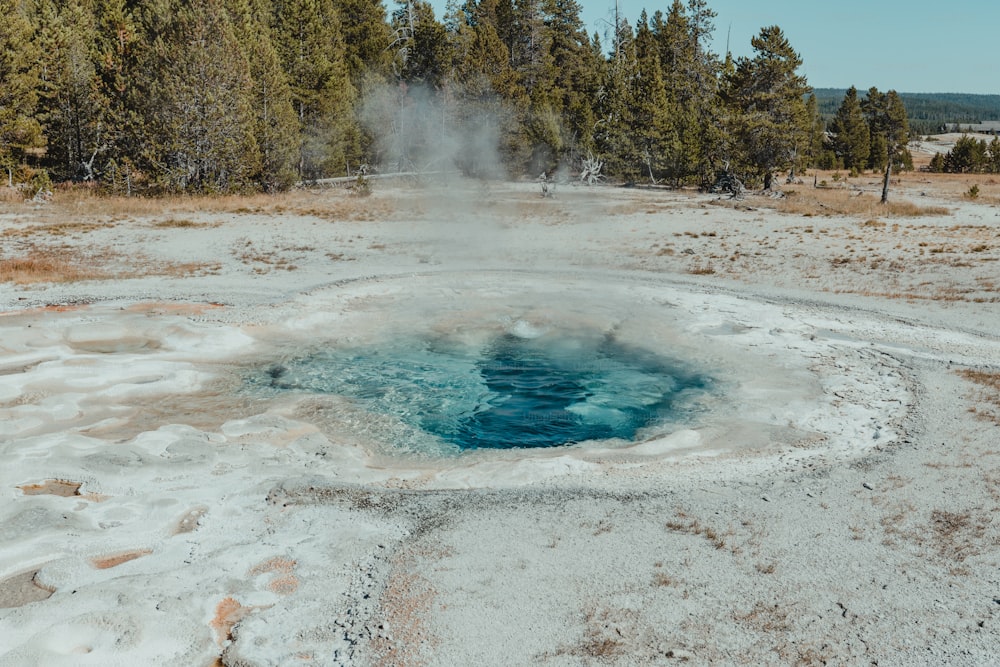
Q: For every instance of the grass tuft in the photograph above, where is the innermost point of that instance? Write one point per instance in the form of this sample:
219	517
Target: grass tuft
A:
40	267
988	397
843	201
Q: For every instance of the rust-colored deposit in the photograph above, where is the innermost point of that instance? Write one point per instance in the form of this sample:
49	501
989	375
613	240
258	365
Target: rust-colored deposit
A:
276	564
166	308
284	582
52	487
228	613
21	589
51	308
106	562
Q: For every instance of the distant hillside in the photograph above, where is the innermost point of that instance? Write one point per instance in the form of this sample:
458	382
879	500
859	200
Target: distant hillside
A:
926	111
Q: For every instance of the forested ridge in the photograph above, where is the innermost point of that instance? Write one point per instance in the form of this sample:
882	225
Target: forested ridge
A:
927	112
158	96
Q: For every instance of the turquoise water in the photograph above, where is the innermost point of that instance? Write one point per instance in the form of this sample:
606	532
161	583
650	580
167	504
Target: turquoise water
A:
509	393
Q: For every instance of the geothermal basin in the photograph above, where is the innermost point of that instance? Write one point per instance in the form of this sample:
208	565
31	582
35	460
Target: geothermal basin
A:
447	456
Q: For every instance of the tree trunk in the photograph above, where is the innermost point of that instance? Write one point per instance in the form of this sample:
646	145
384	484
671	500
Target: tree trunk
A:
885	181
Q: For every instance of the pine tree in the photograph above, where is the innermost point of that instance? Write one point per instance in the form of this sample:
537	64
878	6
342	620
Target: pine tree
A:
889	131
20	131
993	153
530	44
121	43
490	101
426	57
72	105
501	15
658	140
200	133
566	81
968	156
308	40
617	129
766	95
366	37
818	152
690	74
275	125
851	140
937	163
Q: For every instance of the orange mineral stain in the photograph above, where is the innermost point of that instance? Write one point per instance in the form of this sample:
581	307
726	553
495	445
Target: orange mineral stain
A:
52	487
105	562
228	613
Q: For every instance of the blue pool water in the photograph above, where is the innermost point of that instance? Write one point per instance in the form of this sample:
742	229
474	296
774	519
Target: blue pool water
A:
510	393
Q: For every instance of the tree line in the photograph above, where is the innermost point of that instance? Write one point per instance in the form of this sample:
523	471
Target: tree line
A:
255	95
969	156
927	113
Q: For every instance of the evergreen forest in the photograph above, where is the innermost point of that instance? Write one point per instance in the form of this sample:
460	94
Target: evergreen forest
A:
216	96
927	113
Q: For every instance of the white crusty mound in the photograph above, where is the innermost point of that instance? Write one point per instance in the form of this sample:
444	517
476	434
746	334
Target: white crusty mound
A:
835	504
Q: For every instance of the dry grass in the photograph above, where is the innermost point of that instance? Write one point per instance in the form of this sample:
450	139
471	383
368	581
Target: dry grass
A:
55	265
957	535
987	396
810	201
955	187
950	536
179	223
663	579
605	634
770	618
685	524
327	204
45	267
263	261
10	195
58	229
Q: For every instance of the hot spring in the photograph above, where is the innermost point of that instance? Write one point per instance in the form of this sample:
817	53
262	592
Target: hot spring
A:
521	388
454	379
505	366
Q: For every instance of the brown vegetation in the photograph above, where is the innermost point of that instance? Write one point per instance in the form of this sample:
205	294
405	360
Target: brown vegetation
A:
829	201
41	266
77	203
988	395
685	524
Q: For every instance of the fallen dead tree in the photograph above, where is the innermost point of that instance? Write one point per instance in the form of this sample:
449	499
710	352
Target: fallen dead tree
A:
351	180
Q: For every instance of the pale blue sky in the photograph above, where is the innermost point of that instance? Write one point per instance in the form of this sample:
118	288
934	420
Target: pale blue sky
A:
915	46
